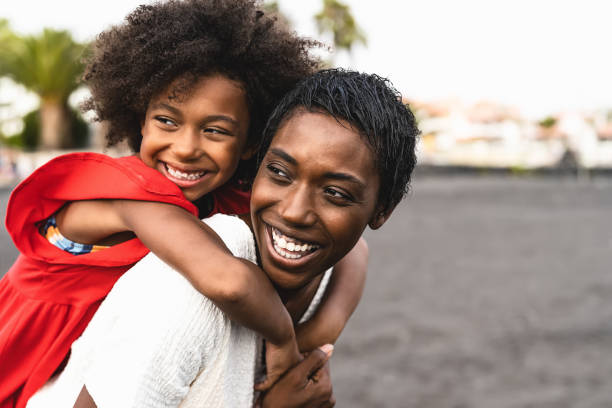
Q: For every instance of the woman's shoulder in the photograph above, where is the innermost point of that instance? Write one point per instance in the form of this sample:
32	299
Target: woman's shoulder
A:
236	235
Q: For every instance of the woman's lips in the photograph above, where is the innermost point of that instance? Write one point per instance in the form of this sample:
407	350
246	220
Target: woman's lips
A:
290	247
287	250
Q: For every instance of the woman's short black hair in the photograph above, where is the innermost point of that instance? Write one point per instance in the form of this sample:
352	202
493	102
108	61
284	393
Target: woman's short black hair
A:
371	105
185	39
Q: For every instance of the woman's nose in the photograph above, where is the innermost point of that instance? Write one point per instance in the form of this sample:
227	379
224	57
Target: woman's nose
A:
297	207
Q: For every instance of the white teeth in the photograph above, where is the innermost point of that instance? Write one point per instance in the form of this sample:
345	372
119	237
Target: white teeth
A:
287	247
282	243
182	175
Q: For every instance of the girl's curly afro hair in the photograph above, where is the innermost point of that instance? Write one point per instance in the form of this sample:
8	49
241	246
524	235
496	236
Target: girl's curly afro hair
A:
185	39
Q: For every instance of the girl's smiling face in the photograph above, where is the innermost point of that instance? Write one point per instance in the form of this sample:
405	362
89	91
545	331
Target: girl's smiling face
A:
197	139
314	194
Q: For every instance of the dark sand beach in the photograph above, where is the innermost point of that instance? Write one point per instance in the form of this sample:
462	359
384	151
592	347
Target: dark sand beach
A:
483	291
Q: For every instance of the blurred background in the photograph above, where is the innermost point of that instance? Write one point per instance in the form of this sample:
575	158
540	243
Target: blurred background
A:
490	286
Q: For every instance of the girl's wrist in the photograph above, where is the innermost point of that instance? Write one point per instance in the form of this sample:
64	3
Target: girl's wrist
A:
289	350
287	338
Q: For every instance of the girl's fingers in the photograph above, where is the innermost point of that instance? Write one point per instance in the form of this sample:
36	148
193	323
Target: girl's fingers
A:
266	384
316	360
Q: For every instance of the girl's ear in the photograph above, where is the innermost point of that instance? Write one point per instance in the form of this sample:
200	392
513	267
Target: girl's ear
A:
380	217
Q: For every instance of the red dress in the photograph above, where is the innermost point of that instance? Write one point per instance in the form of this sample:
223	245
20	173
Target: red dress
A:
49	296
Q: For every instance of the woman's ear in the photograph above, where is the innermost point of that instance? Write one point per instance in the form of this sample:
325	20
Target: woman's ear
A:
380	217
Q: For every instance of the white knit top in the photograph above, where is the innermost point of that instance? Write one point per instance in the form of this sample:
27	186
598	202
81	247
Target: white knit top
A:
157	342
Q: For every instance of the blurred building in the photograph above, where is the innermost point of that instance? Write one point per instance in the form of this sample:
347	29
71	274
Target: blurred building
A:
492	135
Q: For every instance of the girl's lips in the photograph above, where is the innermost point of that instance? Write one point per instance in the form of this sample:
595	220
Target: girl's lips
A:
285	257
183	179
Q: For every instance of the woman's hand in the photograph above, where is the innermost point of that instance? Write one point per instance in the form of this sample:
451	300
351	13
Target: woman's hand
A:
307	385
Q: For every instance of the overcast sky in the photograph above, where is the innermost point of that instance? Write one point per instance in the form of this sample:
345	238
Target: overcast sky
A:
540	55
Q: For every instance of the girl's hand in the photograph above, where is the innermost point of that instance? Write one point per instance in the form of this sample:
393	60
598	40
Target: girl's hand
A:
279	359
306	385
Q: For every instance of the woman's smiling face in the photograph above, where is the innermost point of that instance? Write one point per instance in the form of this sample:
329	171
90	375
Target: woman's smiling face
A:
314	194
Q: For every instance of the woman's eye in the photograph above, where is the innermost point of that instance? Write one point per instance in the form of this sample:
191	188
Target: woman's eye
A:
338	194
277	171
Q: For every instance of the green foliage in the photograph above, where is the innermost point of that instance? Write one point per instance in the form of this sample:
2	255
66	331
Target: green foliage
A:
48	64
518	170
273	8
79	129
548	122
29	137
337	19
7	41
31	130
11	141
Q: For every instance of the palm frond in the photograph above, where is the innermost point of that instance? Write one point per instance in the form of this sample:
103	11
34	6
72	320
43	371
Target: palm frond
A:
337	19
48	64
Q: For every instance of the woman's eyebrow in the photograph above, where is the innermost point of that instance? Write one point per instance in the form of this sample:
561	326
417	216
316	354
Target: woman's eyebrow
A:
330	175
283	155
345	177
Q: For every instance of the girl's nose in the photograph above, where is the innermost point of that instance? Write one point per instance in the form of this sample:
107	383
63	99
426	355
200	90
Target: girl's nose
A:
187	145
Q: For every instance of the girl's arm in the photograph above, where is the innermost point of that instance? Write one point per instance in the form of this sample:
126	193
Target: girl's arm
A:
341	298
238	287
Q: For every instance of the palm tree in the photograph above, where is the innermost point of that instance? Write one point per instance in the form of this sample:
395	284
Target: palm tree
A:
7	42
48	65
336	18
272	7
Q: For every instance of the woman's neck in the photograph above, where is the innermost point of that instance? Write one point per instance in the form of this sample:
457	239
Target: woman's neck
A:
296	300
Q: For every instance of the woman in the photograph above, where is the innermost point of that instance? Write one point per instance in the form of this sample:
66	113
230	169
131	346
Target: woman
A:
339	152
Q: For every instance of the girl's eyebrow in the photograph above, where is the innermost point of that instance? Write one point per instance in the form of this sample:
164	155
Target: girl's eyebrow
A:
161	105
330	175
224	118
211	118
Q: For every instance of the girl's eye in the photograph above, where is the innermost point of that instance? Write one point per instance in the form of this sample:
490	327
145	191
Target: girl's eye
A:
165	121
216	134
216	131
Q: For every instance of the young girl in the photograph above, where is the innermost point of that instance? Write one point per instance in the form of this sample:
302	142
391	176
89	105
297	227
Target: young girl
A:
188	85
